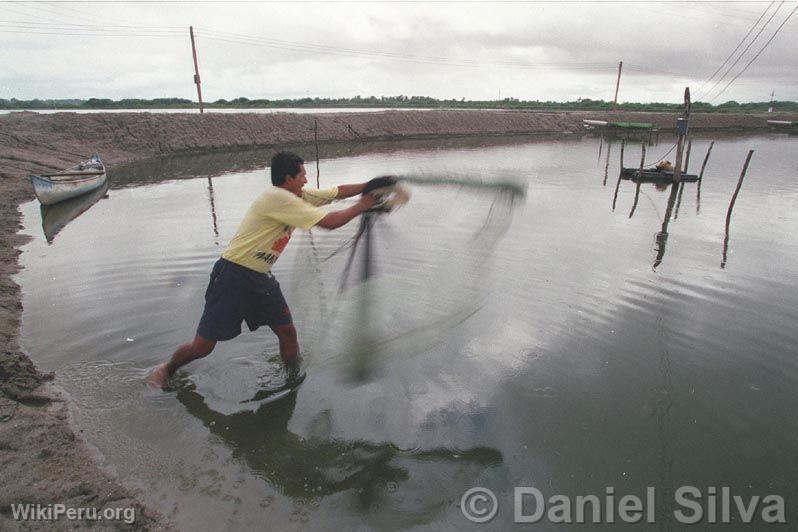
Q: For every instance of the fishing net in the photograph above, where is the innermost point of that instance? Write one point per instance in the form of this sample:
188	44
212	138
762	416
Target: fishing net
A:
397	283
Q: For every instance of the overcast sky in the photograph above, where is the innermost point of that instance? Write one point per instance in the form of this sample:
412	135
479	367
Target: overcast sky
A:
472	50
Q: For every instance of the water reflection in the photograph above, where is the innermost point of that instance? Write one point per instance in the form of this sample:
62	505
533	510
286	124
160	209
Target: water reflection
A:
213	208
210	164
661	238
319	465
55	217
671	210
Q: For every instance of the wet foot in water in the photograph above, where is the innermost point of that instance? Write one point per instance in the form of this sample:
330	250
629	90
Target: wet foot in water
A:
159	378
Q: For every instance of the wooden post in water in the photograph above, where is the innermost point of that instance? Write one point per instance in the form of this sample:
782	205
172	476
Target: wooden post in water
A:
700	179
617	86
704	164
640	178
620	175
731	207
678	201
682	126
316	140
687	159
196	68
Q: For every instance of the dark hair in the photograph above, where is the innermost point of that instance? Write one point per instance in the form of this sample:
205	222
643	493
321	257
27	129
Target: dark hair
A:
284	164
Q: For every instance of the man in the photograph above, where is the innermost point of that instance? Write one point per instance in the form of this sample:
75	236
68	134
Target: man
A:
242	287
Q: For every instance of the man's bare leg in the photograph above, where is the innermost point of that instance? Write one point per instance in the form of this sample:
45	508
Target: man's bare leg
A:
184	354
289	345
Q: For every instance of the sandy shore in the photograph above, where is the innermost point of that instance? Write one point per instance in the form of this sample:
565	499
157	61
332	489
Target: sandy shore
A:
42	454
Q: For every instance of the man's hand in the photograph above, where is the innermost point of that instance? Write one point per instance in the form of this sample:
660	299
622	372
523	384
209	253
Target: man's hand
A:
379	182
366	202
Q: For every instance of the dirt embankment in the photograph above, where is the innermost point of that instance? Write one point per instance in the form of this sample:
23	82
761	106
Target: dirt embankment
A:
34	142
42	456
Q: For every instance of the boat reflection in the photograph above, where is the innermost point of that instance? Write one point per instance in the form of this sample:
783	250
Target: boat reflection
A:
55	217
320	465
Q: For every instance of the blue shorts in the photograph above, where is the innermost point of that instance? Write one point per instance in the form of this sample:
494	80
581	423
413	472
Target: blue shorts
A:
237	294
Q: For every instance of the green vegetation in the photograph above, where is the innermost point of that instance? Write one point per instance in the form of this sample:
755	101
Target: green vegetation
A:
401	101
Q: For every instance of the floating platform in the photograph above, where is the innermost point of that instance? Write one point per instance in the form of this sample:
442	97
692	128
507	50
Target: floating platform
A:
655	176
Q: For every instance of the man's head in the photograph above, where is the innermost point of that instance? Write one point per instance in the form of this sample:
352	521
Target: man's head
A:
288	172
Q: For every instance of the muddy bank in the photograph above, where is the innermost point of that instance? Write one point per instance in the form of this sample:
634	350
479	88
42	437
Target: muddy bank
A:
43	457
42	454
34	142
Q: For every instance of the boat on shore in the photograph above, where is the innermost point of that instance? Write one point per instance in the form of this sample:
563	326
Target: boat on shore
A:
75	181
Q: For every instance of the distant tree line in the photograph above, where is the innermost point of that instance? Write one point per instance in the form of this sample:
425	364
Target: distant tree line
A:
401	101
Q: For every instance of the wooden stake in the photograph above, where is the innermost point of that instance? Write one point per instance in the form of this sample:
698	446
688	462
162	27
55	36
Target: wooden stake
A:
704	165
607	165
731	207
196	68
623	144
620	175
739	185
677	168
617	86
640	178
687	159
682	132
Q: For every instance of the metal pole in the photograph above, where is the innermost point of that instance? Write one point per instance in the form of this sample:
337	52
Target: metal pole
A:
196	68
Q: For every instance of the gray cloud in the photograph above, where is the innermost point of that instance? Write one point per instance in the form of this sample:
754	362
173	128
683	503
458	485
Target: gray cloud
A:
541	51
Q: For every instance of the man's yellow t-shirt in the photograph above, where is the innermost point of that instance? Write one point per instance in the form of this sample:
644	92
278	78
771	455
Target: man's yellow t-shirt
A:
267	226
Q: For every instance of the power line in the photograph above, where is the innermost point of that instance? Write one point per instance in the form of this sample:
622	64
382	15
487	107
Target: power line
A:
758	53
739	57
397	56
738	45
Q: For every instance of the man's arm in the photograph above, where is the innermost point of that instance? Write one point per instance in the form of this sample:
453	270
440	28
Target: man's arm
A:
347	191
336	219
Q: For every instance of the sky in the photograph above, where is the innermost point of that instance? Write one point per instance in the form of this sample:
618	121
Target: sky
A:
558	51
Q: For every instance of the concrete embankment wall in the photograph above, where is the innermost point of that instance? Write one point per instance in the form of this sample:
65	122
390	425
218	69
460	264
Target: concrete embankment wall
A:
31	142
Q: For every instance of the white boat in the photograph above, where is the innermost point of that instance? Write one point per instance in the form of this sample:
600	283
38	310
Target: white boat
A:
80	179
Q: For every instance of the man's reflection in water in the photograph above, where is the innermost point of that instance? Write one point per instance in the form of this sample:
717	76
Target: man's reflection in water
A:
317	467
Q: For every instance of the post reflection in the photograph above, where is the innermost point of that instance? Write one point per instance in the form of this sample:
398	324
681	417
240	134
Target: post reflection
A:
213	207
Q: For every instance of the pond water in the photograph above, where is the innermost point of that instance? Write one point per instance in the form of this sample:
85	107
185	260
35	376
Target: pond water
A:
575	349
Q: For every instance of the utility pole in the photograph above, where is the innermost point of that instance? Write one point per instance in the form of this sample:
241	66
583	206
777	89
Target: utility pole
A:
772	101
617	86
682	127
196	68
